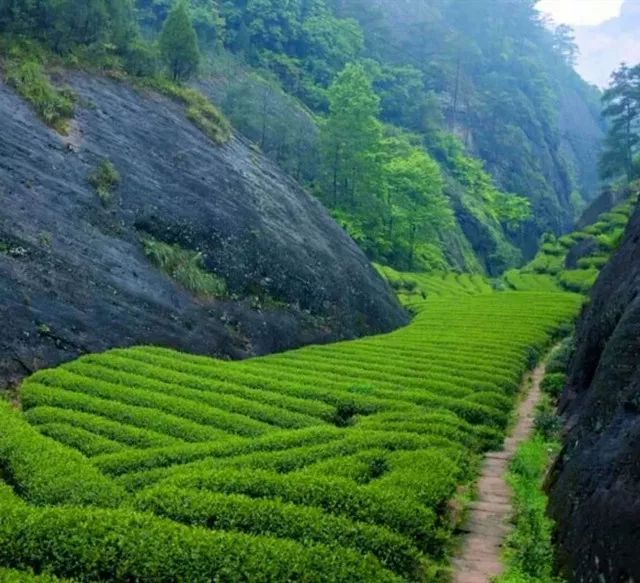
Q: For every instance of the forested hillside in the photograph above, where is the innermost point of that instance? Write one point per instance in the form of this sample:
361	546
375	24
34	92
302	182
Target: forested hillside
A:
441	134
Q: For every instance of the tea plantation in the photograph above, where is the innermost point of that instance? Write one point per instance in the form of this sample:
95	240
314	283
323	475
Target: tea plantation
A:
573	262
329	463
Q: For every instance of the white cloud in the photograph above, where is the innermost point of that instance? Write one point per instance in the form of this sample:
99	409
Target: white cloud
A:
581	12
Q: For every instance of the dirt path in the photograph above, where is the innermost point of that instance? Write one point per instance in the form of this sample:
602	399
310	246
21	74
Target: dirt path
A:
478	559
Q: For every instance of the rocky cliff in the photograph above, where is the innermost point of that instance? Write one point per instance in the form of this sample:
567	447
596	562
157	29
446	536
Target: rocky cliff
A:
74	277
595	484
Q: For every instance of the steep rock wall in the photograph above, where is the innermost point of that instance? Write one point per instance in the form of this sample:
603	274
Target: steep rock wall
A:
73	274
595	485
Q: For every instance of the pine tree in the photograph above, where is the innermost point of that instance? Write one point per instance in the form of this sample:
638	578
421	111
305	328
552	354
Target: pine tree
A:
622	109
179	43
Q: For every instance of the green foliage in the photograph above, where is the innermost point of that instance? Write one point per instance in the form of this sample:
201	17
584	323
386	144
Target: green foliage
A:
530	554
54	106
207	20
44	472
204	115
248	457
179	43
14	576
305	43
184	266
621	103
553	384
64	24
351	138
387	192
550	268
559	359
121	545
104	179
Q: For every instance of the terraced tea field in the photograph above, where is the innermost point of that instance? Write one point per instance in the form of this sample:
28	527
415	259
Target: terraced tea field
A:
573	262
328	463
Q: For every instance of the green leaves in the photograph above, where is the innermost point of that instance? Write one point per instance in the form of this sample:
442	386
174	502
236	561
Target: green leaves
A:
45	472
621	103
326	463
54	106
184	266
179	43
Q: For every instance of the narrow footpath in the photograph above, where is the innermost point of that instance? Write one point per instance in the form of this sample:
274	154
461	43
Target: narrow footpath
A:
488	523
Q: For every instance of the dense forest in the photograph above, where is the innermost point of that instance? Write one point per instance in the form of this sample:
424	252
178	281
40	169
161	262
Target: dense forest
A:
441	135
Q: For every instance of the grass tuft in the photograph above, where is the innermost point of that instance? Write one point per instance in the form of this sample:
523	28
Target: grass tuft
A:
54	106
186	267
105	178
198	109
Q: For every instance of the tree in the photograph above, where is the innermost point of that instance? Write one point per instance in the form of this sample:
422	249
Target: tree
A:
351	138
415	198
179	43
622	108
564	42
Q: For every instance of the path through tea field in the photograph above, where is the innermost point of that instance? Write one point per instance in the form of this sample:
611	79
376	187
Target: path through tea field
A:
328	463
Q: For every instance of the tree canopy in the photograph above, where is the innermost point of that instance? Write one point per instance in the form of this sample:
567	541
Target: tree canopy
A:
622	108
179	43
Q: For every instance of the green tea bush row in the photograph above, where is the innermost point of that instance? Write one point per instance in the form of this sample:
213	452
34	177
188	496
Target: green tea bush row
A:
334	495
283	520
235	374
135	461
114	367
466	374
82	440
430	477
298	457
579	280
34	394
421	354
424	363
200	413
45	472
122	545
126	435
345	374
266	413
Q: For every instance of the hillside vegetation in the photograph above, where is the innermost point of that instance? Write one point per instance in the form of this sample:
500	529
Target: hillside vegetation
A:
326	463
573	262
446	140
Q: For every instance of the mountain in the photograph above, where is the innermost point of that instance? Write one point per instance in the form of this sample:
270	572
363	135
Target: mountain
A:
490	74
605	46
81	273
441	134
594	484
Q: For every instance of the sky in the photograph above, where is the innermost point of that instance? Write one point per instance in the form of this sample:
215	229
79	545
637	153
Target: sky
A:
581	12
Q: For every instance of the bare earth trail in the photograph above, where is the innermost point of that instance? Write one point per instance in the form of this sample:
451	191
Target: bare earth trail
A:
479	557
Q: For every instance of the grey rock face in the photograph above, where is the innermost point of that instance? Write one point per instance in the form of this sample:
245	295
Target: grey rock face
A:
73	274
595	486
